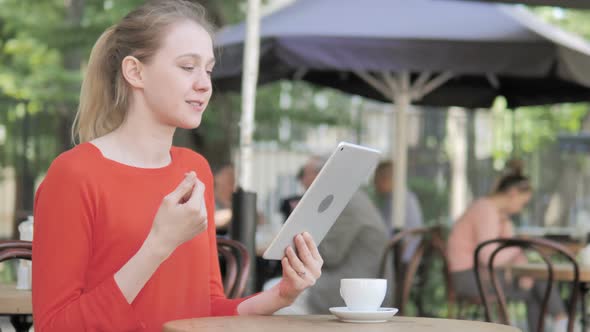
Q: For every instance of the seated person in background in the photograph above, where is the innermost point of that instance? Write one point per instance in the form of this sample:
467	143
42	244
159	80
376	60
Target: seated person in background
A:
288	204
225	183
384	196
489	218
351	249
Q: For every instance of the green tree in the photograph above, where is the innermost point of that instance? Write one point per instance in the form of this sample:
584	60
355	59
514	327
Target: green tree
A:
43	48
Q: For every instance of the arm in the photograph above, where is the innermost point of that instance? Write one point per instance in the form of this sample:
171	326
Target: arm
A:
64	210
413	220
65	204
283	294
220	305
299	273
490	226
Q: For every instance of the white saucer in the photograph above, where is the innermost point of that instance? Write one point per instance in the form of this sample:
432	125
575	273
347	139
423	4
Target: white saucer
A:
378	316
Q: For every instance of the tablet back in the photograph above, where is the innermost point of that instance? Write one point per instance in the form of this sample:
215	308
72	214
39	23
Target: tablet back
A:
346	169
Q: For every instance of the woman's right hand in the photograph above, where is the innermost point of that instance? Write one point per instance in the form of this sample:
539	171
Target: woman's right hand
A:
182	215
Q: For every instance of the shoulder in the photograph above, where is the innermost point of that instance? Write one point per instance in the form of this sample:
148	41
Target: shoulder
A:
483	205
193	159
73	163
412	198
361	210
482	209
71	171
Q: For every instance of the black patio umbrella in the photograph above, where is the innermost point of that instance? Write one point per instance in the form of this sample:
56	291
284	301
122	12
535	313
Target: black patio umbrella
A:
434	52
582	4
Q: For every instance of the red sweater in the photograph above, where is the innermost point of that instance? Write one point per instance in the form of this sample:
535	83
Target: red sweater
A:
92	215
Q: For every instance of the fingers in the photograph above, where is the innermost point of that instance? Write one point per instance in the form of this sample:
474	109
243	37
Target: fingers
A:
197	199
288	271
297	265
312	264
312	247
183	188
303	252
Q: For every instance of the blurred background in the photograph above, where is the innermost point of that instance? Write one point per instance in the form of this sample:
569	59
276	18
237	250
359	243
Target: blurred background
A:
454	153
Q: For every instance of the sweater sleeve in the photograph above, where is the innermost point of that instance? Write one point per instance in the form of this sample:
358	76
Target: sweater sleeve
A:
64	212
220	305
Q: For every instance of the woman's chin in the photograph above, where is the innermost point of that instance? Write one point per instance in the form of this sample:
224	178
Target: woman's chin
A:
191	123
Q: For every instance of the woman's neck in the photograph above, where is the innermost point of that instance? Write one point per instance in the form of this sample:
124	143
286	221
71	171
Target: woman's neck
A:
138	142
500	203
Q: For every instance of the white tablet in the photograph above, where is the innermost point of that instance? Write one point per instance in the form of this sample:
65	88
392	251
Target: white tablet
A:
346	169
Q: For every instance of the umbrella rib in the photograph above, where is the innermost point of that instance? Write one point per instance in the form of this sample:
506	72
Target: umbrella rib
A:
392	82
434	83
375	83
421	81
493	79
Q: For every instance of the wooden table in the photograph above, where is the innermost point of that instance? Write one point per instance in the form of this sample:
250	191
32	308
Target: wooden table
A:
14	301
18	305
561	272
328	323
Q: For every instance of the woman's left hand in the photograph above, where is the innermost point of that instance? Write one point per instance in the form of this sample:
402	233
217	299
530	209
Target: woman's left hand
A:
300	271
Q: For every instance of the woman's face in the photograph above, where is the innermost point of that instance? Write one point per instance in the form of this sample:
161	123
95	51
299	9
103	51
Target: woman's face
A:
177	80
517	200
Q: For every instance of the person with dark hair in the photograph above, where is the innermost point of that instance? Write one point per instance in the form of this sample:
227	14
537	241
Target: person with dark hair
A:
489	218
383	184
124	230
288	204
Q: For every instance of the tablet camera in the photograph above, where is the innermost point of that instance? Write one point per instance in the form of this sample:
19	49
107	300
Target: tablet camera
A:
325	204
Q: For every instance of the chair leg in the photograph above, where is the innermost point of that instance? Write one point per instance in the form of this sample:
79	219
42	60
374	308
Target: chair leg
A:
460	309
474	312
21	323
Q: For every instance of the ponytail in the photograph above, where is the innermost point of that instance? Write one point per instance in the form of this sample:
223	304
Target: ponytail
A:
103	97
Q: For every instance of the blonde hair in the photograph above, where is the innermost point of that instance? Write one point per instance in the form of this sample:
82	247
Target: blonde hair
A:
105	94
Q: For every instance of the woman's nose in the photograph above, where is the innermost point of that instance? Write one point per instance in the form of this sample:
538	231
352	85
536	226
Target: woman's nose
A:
202	82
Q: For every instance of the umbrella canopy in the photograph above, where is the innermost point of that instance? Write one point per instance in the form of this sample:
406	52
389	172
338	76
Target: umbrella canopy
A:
490	50
434	52
584	4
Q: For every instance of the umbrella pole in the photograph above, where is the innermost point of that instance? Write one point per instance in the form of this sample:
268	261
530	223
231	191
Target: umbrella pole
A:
402	100
244	201
249	82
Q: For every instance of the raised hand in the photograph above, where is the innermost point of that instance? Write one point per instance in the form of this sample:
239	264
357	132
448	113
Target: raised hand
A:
182	215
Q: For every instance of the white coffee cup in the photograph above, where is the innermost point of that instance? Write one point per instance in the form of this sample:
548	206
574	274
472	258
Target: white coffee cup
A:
363	294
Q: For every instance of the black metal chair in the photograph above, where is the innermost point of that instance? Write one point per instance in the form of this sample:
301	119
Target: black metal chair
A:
544	248
235	260
431	241
16	249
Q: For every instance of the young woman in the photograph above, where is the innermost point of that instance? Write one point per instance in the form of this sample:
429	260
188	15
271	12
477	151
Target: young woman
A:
124	236
488	218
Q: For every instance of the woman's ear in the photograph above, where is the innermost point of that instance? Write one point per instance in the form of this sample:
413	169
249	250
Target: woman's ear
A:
132	68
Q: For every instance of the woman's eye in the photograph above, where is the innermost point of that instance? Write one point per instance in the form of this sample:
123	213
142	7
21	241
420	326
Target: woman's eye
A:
188	68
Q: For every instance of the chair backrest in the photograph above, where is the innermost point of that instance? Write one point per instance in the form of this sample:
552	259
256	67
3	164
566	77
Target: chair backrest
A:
544	248
430	241
236	261
16	249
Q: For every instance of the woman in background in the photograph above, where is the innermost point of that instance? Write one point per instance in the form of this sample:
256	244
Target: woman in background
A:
489	218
